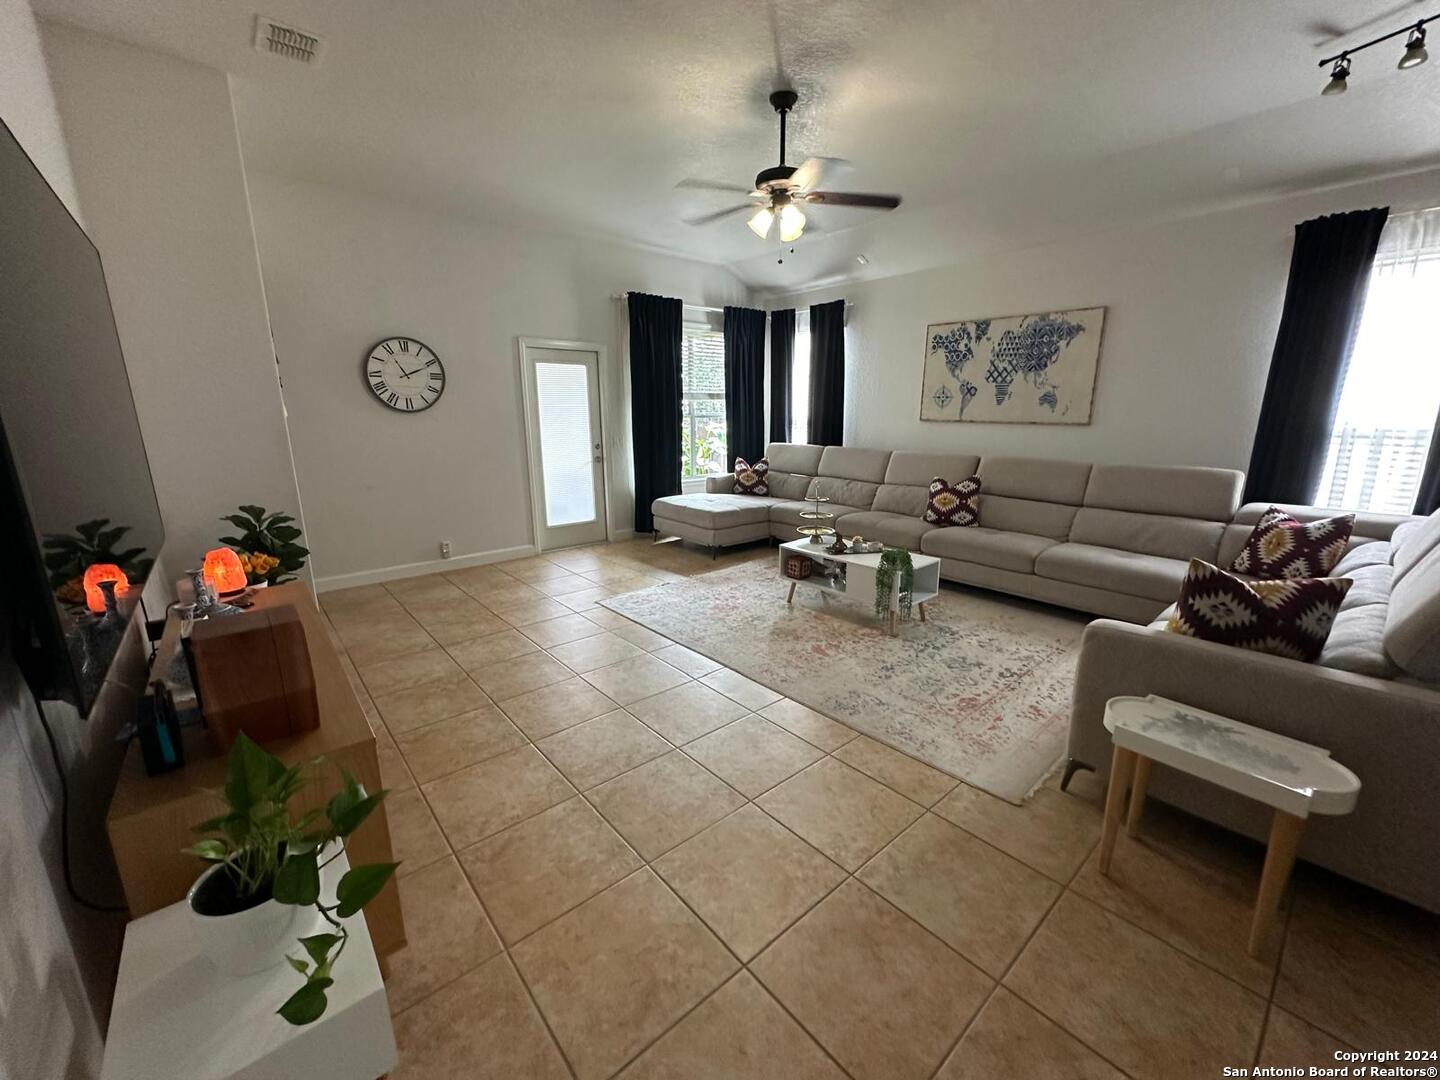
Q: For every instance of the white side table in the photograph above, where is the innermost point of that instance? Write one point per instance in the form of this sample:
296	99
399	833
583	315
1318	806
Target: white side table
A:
176	1015
1295	778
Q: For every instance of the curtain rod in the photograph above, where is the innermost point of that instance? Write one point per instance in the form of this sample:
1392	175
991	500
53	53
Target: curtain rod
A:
701	307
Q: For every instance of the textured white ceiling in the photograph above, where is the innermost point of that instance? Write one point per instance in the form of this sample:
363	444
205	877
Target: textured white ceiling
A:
1000	122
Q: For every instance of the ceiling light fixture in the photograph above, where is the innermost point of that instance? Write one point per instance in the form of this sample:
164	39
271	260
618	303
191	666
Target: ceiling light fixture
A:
760	223
1415	54
792	223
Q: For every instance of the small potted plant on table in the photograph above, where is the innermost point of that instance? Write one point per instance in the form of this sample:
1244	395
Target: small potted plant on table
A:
269	545
266	866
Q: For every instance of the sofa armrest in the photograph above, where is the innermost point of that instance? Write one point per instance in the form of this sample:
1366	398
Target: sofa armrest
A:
724	484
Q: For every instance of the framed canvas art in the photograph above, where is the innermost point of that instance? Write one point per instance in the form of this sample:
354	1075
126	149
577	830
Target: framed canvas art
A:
1018	369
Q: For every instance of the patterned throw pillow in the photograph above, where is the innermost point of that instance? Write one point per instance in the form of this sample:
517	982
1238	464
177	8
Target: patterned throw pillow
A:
953	504
750	479
1281	547
1287	617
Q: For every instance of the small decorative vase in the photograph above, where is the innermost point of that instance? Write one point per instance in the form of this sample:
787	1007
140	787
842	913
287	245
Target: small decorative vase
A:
247	941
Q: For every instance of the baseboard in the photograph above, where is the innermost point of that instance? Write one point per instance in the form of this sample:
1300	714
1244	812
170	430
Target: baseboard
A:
408	570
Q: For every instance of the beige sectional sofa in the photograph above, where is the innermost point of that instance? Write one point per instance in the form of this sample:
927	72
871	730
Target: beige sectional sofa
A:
1115	540
1107	539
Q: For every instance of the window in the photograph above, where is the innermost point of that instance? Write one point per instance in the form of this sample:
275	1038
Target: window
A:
702	404
1387	409
800	384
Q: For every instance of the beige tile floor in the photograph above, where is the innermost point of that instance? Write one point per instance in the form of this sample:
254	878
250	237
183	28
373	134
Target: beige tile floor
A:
622	858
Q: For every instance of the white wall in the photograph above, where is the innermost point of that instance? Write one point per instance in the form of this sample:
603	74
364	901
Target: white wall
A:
344	270
156	157
1193	307
56	959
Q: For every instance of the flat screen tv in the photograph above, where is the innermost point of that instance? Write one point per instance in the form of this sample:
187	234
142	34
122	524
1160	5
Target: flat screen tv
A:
75	486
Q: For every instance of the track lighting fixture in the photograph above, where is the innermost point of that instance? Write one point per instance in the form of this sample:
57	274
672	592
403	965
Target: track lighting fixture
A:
1415	54
1338	74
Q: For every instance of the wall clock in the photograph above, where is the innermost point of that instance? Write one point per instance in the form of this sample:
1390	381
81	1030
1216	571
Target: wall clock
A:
404	374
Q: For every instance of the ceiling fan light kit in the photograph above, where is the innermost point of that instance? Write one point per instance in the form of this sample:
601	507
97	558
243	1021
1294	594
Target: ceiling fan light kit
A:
783	188
1414	55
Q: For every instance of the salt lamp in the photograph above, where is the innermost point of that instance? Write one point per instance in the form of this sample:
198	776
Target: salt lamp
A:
94	598
224	571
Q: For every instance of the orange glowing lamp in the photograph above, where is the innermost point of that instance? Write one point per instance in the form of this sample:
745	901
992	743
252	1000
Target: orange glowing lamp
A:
224	571
94	575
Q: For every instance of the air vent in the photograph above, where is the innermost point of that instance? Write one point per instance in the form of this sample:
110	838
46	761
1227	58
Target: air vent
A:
278	39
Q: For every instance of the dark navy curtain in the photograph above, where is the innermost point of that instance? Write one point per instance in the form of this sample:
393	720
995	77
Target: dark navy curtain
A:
782	354
655	329
827	373
744	384
1329	276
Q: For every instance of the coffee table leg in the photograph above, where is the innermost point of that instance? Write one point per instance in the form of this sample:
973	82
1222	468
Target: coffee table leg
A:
791	598
1122	767
1285	832
922	613
1137	794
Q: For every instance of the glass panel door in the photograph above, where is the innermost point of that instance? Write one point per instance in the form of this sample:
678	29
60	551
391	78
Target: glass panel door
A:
567	474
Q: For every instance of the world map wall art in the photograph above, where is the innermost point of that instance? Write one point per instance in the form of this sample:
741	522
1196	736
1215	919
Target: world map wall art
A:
1019	369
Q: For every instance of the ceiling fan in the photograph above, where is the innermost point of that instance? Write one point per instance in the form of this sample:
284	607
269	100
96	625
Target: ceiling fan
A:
779	192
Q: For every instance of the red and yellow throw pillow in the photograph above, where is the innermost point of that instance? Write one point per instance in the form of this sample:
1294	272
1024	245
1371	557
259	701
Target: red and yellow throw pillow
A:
1287	617
953	504
751	479
1281	547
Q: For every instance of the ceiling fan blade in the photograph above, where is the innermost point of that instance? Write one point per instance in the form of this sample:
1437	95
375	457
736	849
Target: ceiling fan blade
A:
846	198
812	170
713	185
706	219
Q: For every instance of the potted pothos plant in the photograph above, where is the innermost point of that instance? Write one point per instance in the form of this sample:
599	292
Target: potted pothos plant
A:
896	570
69	555
269	545
265	868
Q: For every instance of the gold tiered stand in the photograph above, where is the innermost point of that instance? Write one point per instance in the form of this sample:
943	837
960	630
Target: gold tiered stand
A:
816	533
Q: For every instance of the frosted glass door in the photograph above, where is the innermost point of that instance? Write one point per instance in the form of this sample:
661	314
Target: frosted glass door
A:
566	459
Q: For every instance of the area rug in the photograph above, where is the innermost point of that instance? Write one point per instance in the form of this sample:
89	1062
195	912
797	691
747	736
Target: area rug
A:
980	691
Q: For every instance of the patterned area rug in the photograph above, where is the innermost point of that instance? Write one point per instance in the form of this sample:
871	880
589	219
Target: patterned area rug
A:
981	691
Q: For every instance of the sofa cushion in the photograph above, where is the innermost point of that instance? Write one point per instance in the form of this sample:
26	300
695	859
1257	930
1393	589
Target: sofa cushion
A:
1412	623
854	463
1414	540
708	511
1288	617
1040	479
985	546
1279	546
1174	490
1357	641
953	505
1150	534
908	476
897	530
751	479
1370	553
1151	576
800	458
1052	520
787	485
787	511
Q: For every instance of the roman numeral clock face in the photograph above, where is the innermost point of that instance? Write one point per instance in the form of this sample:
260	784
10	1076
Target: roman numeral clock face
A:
404	374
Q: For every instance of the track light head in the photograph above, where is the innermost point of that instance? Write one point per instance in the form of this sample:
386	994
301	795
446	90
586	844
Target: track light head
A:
1338	74
1415	52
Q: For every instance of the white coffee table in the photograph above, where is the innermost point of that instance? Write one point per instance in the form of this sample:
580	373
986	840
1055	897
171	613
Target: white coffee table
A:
857	578
1293	777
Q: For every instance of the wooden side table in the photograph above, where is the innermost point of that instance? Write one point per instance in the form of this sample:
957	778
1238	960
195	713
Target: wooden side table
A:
1293	777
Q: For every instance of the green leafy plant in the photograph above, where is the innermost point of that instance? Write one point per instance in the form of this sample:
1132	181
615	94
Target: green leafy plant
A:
67	557
895	563
272	537
266	855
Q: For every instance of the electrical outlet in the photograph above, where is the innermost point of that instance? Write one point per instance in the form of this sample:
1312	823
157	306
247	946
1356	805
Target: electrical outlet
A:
444	549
